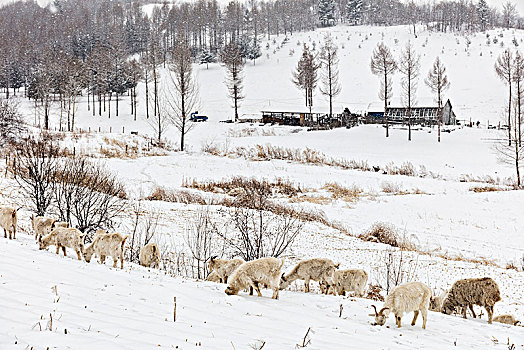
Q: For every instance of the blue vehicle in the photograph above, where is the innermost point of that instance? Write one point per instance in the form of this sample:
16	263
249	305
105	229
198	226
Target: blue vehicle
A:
194	117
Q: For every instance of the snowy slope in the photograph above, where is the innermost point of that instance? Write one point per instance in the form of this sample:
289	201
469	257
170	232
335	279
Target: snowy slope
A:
104	308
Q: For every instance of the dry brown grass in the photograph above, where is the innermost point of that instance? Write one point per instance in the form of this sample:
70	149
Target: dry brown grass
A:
347	194
177	196
387	233
373	293
482	189
311	199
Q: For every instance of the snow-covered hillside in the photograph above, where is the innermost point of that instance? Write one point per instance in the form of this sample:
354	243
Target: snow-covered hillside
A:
95	306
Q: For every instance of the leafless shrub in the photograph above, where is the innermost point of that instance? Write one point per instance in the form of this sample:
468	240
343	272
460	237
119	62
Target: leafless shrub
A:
33	167
386	233
260	228
87	195
200	237
397	267
143	229
374	291
390	187
11	123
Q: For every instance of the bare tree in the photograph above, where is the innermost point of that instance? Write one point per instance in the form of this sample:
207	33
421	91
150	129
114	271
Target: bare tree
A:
33	168
231	57
512	154
518	78
384	65
504	69
509	14
181	97
437	81
11	123
409	66
305	76
143	229
329	72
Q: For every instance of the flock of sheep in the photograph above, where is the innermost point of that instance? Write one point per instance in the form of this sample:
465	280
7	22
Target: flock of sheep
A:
267	272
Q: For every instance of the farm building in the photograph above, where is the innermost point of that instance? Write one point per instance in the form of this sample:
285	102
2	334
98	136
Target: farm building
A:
309	119
419	115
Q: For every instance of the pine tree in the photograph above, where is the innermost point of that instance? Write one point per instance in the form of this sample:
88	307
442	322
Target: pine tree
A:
305	76
483	14
354	11
326	12
254	51
206	57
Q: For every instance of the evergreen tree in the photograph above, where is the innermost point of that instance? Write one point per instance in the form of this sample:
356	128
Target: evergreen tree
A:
206	57
483	14
254	51
326	12
354	11
305	76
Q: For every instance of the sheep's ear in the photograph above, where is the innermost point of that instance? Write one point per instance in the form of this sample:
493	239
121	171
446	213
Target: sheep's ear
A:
283	278
337	265
39	238
372	315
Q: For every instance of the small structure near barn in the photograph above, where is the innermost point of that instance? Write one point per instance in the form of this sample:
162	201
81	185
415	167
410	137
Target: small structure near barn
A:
310	119
419	115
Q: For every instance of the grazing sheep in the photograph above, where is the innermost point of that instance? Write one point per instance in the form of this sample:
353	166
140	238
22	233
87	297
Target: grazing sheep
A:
252	273
150	255
8	221
63	237
61	224
346	281
213	277
435	303
42	225
507	319
312	269
224	268
472	291
107	244
413	296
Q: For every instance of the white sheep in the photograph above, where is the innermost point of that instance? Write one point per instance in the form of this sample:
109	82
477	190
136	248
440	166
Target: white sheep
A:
107	244
63	237
353	280
224	268
150	255
507	319
312	269
412	296
8	221
252	273
42	225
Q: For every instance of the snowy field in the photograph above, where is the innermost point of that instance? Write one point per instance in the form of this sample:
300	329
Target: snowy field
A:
480	233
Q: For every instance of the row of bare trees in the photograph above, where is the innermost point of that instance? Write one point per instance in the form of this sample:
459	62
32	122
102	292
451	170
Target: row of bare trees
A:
384	65
510	69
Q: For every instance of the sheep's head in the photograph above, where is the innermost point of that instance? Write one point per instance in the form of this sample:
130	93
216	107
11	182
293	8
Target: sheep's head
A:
212	263
230	290
448	307
380	316
433	304
43	242
283	282
88	253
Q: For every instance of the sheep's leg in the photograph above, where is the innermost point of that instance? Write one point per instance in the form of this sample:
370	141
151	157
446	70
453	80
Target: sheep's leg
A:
254	285
64	250
250	290
464	310
424	318
102	259
398	321
489	309
78	255
115	262
5	233
10	232
472	311
57	249
307	284
415	316
122	261
275	292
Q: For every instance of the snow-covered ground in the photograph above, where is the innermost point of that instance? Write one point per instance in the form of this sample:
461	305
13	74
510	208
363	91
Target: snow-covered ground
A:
95	306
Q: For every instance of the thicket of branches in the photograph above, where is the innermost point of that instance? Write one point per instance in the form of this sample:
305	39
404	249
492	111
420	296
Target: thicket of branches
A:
78	190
